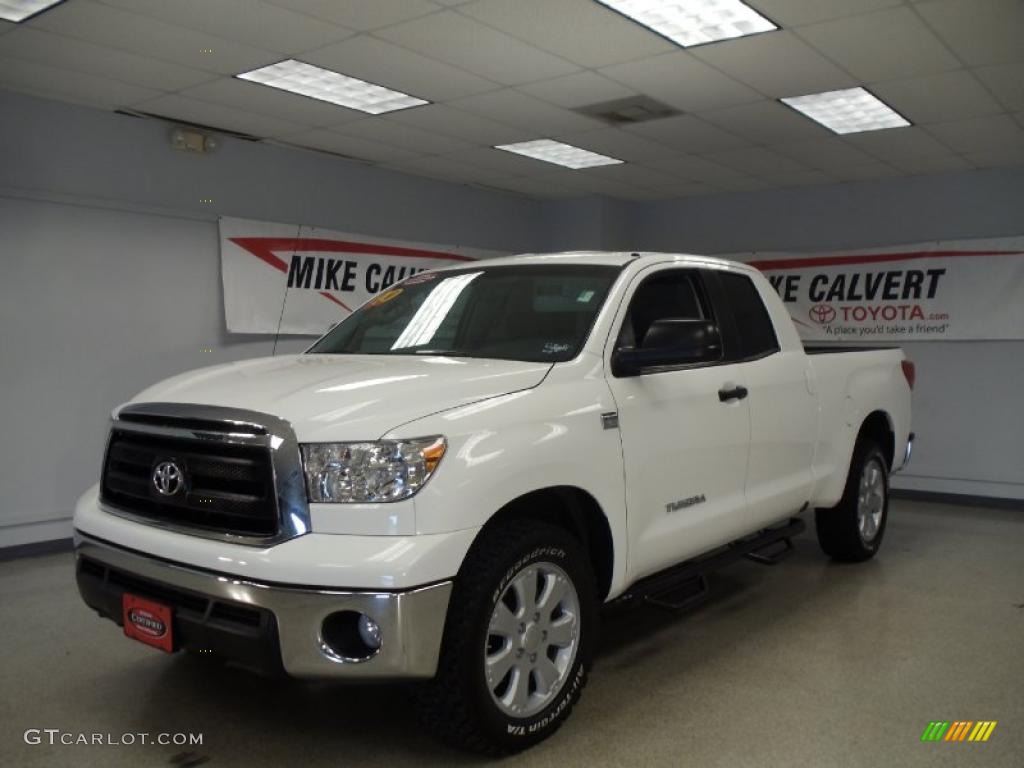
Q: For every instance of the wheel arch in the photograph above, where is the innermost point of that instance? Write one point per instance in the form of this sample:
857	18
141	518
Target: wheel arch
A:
576	511
878	426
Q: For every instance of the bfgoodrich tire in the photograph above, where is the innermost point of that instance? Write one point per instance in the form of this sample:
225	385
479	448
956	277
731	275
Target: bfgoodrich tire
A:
852	531
518	640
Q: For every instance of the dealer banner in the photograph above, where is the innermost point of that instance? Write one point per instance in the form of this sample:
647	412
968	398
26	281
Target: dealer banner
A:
949	290
281	278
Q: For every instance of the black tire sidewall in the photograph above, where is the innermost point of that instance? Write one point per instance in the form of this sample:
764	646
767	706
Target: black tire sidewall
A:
512	733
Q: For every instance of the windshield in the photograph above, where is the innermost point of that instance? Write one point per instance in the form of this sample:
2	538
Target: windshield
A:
538	313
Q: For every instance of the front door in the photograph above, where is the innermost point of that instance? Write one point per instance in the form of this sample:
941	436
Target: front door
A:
684	447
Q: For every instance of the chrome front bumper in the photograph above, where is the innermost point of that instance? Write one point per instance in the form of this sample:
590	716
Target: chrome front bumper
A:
411	621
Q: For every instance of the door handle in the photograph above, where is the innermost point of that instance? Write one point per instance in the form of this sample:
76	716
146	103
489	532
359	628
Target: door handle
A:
736	393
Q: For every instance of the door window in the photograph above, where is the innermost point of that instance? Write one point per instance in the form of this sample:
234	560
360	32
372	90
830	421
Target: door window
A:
671	293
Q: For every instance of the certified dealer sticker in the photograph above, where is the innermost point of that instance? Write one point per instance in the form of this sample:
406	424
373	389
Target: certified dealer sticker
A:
147	621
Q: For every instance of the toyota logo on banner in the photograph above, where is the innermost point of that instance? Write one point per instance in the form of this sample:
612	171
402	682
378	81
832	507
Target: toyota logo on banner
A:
823	314
168	478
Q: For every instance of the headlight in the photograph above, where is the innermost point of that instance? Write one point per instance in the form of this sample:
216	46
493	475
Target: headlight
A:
386	470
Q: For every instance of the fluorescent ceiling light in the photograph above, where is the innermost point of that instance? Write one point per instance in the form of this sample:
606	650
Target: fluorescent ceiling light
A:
558	153
848	111
325	85
692	22
19	10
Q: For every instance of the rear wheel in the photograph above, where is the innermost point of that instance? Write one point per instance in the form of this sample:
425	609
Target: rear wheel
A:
517	641
852	530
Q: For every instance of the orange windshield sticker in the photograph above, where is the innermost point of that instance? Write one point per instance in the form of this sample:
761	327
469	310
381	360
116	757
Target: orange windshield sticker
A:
385	297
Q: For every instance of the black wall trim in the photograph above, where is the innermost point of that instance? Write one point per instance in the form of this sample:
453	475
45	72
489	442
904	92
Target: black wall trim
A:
36	549
961	499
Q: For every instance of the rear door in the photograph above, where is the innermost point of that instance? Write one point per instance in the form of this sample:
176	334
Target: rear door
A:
783	410
684	448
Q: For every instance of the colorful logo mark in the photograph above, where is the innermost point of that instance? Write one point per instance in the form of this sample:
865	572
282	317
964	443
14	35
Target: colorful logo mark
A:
958	730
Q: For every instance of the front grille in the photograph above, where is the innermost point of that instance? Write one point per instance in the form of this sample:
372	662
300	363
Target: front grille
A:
225	487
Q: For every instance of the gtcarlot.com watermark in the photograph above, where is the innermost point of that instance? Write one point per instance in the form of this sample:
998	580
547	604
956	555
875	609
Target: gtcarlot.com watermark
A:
55	736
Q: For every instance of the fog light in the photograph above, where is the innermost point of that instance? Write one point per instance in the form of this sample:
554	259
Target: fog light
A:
369	632
349	636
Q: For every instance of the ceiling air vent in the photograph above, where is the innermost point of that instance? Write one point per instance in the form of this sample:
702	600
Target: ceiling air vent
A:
635	109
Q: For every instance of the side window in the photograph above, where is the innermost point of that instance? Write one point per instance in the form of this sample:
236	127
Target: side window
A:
671	293
754	330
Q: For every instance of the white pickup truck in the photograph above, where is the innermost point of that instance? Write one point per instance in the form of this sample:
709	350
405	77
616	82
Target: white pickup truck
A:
449	483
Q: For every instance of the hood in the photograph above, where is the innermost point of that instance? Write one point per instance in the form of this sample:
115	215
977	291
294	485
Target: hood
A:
347	397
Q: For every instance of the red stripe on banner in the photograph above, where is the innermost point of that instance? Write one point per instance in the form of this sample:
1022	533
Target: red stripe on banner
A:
326	295
870	258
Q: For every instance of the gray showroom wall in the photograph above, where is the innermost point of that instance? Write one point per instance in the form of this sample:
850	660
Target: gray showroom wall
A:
111	277
111	271
966	413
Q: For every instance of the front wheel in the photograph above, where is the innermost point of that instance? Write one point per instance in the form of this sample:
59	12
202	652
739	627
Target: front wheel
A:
518	640
852	530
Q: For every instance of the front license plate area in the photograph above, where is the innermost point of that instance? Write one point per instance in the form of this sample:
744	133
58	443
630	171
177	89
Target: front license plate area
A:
148	622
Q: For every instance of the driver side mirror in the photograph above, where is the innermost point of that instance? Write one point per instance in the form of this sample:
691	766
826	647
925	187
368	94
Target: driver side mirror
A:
670	341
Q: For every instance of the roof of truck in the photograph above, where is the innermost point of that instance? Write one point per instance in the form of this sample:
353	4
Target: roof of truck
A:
611	258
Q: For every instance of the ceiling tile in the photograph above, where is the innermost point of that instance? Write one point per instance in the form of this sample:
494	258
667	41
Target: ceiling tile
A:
68	85
1006	81
797	178
177	107
885	45
578	90
824	154
582	31
636	176
350	146
59	51
126	31
447	168
743	184
363	15
252	22
868	172
980	134
979	31
384	63
698	169
682	81
777	65
897	143
766	122
506	163
252	97
1002	158
792	13
534	187
516	108
688	134
448	36
931	164
756	161
937	98
445	120
406	136
616	142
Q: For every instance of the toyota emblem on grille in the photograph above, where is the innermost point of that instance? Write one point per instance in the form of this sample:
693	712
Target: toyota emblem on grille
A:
168	478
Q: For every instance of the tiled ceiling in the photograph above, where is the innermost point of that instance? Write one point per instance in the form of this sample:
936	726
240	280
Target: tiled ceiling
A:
505	71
